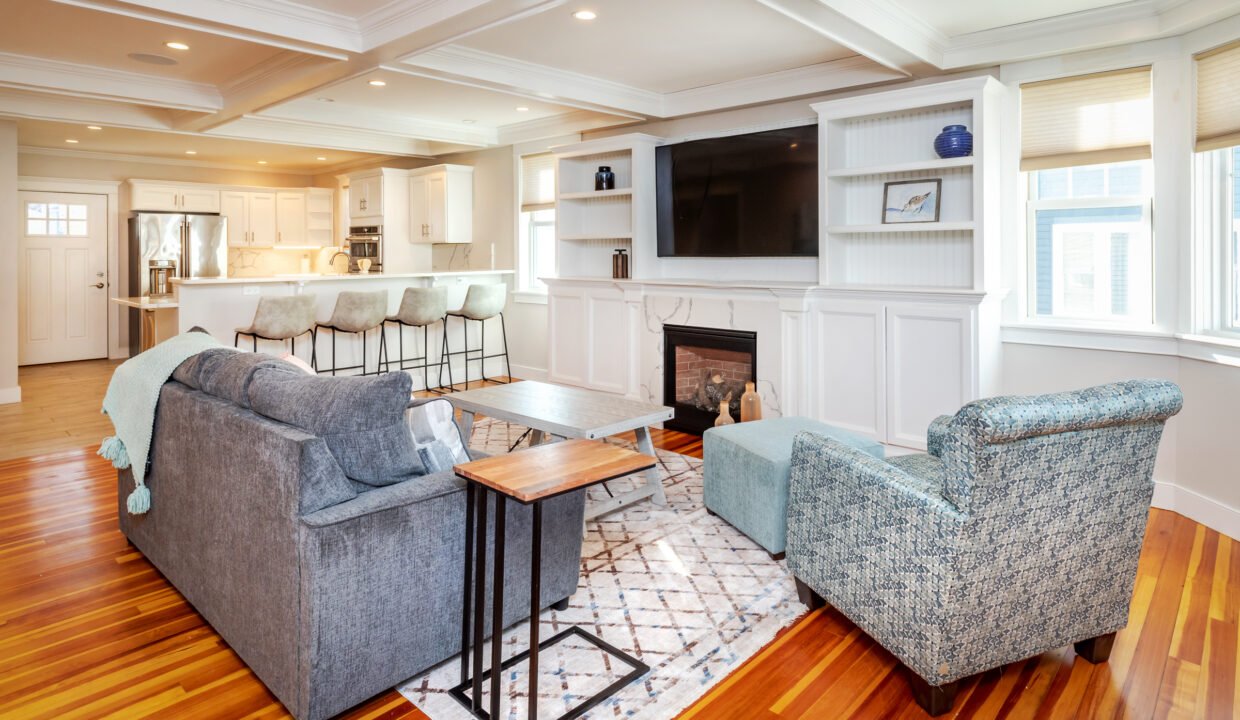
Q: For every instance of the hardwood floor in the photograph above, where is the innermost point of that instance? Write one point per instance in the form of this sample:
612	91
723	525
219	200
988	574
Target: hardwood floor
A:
89	629
59	408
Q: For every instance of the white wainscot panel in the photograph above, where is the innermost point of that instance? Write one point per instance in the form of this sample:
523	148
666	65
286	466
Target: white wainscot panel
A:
929	367
608	348
567	333
850	366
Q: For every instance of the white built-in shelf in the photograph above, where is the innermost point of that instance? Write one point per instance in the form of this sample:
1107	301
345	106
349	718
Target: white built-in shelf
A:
904	167
604	236
590	194
928	227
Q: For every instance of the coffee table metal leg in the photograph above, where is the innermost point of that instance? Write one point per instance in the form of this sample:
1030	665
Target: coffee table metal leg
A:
480	597
652	475
467	426
535	604
497	608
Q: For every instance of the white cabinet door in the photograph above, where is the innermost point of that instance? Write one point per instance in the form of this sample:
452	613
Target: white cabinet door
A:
290	218
608	347
160	198
366	196
418	232
930	367
566	328
851	366
436	207
262	214
235	207
196	200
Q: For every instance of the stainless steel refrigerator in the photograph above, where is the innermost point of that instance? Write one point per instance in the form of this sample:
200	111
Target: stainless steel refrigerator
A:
167	245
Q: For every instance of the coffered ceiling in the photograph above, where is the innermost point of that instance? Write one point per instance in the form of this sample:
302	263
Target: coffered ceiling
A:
476	73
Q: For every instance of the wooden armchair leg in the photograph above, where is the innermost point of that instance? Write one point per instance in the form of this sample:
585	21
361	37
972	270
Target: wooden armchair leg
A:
934	700
808	596
1096	650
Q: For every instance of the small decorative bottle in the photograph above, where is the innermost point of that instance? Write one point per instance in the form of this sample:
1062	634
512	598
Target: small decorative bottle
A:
620	264
751	404
604	179
725	416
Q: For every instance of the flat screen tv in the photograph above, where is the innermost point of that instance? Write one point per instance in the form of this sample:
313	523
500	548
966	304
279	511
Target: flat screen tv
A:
752	195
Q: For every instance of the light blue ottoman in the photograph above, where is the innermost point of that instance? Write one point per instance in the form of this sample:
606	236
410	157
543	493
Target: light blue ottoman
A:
746	468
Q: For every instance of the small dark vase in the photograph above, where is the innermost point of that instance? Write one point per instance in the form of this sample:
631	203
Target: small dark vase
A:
604	179
955	141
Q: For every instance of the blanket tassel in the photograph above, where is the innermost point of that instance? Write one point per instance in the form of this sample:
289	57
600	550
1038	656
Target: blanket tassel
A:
139	500
113	449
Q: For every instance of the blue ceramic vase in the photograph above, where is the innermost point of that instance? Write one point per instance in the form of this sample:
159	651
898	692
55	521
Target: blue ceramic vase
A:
955	141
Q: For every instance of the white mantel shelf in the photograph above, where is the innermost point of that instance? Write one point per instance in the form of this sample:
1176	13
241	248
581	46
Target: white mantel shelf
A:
330	277
785	288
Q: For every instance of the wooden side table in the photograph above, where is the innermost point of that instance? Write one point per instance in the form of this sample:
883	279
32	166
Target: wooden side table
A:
528	477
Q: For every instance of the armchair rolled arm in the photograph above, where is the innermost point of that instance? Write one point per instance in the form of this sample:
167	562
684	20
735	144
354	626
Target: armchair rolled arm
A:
936	434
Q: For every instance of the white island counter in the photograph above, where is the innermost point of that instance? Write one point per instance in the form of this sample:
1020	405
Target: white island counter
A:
221	305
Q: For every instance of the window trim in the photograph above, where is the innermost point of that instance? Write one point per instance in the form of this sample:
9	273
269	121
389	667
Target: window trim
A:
525	291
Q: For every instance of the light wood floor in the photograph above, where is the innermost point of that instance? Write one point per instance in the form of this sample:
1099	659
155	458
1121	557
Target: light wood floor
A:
59	409
89	629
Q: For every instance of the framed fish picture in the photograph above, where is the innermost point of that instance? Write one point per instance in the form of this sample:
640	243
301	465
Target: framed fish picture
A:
911	201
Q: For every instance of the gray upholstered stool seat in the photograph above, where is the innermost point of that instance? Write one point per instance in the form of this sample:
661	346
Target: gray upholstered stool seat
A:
419	308
357	313
482	302
282	318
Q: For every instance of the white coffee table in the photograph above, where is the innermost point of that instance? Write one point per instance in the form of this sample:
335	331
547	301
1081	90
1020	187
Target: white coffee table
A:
558	412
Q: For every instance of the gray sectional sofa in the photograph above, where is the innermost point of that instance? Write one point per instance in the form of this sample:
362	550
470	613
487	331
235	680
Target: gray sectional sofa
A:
332	590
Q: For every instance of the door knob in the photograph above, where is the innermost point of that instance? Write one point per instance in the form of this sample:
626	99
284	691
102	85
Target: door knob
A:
98	285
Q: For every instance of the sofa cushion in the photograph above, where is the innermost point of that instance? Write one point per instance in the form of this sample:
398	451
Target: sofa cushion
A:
360	418
227	373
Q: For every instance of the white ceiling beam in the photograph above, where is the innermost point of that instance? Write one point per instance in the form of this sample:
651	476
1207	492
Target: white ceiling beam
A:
798	82
1088	30
877	29
308	134
64	108
334	115
573	123
89	81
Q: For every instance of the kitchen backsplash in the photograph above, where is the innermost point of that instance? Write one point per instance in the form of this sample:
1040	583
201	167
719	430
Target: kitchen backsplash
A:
260	262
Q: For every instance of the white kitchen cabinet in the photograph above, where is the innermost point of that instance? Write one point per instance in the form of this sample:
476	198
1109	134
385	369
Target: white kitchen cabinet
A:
291	218
251	217
441	204
173	198
365	196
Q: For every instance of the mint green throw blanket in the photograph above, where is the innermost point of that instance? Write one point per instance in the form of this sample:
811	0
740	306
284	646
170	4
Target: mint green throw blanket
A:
130	403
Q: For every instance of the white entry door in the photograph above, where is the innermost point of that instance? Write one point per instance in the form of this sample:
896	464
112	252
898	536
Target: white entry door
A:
62	277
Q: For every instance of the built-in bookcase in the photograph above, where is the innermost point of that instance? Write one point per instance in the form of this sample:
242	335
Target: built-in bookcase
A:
591	224
869	141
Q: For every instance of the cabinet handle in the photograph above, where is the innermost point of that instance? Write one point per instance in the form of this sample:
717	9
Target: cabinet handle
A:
279	237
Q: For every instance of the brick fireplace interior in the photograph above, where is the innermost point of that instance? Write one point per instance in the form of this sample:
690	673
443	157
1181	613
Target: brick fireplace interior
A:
702	367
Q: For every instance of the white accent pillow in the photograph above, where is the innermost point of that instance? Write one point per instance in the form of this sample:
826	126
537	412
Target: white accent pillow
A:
435	435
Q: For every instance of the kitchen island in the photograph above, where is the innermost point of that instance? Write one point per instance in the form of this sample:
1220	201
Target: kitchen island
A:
221	305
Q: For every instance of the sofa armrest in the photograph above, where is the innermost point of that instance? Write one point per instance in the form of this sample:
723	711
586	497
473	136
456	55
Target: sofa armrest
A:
936	435
409	492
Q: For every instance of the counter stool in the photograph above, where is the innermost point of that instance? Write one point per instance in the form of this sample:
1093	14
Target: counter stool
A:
419	308
482	302
283	318
357	313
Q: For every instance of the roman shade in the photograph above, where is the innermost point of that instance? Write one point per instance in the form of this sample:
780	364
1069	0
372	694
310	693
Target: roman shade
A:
537	182
1086	120
1218	97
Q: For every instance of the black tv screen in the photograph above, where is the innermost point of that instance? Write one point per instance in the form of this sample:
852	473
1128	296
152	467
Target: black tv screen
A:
750	195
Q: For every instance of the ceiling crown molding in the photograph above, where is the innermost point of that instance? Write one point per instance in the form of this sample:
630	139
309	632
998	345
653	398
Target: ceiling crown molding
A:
385	123
89	81
573	123
315	135
400	17
152	160
878	29
456	63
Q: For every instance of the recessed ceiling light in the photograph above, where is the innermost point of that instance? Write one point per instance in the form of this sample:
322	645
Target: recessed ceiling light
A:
71	141
152	59
93	127
176	45
523	109
326	100
469	121
320	158
191	152
262	162
585	15
377	83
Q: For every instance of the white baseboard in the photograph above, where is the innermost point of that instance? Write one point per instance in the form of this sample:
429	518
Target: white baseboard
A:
10	395
525	372
1195	506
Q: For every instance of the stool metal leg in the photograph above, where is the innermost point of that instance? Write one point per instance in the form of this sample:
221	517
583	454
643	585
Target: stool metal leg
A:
426	357
314	349
503	329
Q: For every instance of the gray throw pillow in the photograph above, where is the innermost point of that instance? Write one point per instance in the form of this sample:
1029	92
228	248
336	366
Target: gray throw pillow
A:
360	418
227	373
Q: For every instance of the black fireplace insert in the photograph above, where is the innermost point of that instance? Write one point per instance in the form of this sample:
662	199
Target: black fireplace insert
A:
702	368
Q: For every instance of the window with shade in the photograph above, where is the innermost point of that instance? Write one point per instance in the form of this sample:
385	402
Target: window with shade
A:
1215	188
536	225
1085	149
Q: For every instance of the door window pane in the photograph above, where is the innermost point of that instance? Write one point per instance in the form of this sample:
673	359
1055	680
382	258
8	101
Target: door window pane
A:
36	210
57	210
36	227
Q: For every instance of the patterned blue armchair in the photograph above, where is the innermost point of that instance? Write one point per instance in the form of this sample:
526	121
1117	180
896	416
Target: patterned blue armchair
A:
1017	533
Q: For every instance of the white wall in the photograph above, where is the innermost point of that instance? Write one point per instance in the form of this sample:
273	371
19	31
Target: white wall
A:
71	167
9	390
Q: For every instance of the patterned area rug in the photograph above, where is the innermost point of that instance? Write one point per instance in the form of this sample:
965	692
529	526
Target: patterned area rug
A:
677	588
